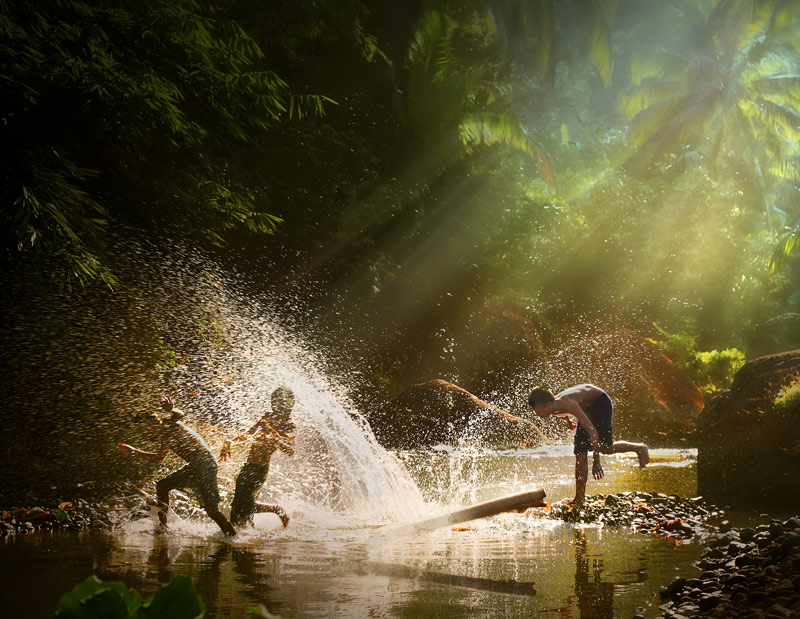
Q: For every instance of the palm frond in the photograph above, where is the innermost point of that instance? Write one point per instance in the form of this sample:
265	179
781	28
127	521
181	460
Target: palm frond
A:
490	128
787	247
595	18
432	45
648	121
788	169
646	94
671	136
539	26
776	114
733	23
785	84
652	66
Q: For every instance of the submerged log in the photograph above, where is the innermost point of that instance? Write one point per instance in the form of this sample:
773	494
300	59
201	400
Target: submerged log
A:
512	502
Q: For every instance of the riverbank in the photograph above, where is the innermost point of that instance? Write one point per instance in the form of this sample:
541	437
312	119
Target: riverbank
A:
748	572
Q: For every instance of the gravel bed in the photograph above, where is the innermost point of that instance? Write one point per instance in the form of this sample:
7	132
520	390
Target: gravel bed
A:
748	572
667	516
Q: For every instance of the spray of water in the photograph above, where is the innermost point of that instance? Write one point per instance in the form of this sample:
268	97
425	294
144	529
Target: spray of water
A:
179	325
339	472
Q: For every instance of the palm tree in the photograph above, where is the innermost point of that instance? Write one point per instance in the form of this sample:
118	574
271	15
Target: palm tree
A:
459	94
734	97
539	21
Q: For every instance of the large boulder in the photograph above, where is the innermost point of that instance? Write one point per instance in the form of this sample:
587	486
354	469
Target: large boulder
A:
440	412
482	349
654	400
749	437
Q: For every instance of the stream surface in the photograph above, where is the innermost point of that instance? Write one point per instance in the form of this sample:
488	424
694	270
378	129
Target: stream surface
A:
336	564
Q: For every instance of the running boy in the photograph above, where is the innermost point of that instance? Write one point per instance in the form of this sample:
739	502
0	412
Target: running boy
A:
272	432
592	408
200	472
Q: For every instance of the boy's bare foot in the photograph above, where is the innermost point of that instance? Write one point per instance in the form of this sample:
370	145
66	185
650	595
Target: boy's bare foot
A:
644	455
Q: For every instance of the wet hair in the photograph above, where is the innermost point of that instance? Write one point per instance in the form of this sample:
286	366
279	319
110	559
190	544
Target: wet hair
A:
539	396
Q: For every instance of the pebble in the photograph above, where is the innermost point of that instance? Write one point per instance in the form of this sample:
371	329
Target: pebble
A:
667	516
763	582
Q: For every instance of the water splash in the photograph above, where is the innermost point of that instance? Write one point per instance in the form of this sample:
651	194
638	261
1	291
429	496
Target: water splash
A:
338	464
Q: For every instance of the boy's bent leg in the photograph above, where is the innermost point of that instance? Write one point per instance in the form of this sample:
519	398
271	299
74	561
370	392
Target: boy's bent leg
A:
204	471
162	498
581	475
222	522
642	451
263	508
179	479
248	484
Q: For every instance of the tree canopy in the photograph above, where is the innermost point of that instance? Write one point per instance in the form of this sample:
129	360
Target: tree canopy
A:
615	162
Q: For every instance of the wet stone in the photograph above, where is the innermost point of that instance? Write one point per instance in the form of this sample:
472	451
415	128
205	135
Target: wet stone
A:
792	523
775	529
747	534
759	575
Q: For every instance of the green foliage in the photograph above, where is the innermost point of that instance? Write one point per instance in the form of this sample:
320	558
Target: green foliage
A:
130	109
789	397
731	103
94	599
712	370
788	246
541	27
455	99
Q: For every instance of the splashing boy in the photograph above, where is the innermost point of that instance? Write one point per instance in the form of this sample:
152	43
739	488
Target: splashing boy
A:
200	472
271	432
592	408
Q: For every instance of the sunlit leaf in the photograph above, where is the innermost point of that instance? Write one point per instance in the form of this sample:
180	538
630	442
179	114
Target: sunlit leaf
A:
787	247
647	94
487	129
595	18
777	114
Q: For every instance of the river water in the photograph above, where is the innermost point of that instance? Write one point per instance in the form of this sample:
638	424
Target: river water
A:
334	563
345	552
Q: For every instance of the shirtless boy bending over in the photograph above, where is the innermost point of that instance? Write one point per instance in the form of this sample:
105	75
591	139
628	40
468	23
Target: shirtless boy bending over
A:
592	409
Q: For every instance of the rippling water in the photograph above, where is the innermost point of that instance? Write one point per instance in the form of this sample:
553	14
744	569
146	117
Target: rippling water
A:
338	564
342	555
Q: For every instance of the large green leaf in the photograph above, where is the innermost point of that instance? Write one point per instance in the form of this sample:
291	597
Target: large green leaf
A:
94	599
787	247
177	600
595	18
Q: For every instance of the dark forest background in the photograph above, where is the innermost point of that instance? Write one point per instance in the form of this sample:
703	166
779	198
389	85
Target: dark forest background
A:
430	189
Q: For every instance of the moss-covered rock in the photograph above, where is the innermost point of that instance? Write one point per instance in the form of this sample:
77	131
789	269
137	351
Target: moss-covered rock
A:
749	437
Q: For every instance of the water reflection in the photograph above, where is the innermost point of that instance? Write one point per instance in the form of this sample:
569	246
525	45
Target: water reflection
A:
594	596
510	565
430	577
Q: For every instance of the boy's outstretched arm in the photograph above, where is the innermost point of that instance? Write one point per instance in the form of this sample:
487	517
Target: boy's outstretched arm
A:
586	424
153	456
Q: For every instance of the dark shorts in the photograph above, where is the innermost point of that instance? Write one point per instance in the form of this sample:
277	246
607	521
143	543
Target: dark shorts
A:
201	476
599	413
248	484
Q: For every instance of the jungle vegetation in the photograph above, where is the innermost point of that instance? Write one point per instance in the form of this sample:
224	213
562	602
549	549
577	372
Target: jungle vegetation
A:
389	171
